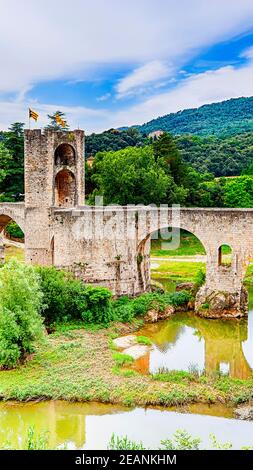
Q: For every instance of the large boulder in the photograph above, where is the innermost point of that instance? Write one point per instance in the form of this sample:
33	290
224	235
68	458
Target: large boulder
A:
153	315
188	286
244	412
221	304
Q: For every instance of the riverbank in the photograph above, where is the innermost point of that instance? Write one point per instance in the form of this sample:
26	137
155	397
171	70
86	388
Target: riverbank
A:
78	365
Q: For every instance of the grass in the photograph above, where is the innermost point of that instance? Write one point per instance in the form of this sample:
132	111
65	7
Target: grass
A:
80	366
122	359
189	246
177	271
143	340
14	252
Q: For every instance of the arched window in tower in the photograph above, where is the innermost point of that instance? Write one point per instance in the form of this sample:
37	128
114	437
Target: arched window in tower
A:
65	189
64	155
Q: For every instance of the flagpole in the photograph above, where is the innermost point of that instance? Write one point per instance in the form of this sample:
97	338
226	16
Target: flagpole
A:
29	119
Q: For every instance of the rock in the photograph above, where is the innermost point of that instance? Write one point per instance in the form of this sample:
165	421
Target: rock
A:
189	286
244	412
166	313
220	304
191	305
137	351
151	316
125	341
156	286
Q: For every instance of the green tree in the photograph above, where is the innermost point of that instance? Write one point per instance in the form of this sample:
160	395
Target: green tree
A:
5	159
56	126
133	176
165	149
20	304
238	192
13	183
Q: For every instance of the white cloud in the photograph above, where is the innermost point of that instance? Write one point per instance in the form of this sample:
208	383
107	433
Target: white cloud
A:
208	87
151	72
61	39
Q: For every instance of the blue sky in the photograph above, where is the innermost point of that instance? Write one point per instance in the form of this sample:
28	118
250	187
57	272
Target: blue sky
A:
116	63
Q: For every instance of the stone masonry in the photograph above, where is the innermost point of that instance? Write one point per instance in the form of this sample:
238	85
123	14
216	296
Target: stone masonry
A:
110	246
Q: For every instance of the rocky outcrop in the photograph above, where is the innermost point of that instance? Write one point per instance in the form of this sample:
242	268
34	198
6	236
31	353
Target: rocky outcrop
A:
153	315
220	304
244	412
188	286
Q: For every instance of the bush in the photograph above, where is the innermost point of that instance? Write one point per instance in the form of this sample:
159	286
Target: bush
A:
66	298
125	309
98	305
13	230
20	303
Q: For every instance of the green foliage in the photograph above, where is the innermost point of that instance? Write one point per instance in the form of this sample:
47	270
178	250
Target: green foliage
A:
229	117
53	124
200	278
143	340
66	298
182	440
122	359
125	309
123	443
20	304
238	192
221	156
12	184
98	305
36	441
134	176
177	376
166	151
113	140
14	230
5	160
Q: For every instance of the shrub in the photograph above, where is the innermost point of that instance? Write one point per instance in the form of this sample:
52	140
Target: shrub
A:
20	304
98	305
200	278
66	298
13	230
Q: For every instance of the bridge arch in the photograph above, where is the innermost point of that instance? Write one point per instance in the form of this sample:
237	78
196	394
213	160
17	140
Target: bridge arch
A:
173	243
12	212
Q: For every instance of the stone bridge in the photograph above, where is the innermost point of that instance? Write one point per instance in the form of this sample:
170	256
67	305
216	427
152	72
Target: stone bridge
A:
110	245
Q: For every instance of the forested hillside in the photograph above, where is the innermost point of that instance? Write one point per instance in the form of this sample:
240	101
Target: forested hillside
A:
226	118
226	156
113	140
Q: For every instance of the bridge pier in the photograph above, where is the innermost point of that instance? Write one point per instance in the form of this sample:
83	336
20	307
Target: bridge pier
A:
223	294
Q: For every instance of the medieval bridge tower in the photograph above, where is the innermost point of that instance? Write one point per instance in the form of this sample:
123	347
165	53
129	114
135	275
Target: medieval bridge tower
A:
110	246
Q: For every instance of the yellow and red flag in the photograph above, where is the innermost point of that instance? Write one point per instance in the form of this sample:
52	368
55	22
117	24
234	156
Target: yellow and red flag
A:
33	114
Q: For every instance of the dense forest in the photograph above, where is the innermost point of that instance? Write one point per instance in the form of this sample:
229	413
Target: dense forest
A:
113	139
226	118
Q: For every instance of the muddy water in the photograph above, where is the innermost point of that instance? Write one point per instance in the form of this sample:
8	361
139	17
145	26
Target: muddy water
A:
90	426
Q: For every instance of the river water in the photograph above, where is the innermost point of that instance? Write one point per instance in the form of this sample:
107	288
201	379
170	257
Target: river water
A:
183	342
90	426
190	343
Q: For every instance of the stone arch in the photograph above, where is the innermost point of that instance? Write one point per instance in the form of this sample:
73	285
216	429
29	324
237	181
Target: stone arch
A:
144	248
64	155
65	189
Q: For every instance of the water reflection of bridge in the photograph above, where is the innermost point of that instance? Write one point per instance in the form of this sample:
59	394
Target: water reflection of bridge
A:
223	342
64	422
